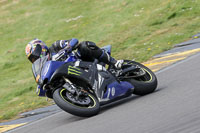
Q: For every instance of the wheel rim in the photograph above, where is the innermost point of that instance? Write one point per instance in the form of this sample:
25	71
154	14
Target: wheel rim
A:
147	77
150	77
66	97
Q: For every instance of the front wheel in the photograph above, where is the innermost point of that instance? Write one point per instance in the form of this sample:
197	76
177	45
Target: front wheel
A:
84	105
144	80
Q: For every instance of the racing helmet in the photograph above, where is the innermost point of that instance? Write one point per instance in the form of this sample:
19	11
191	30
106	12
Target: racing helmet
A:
36	49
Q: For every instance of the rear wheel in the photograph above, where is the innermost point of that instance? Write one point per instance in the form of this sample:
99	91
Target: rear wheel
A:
143	79
81	103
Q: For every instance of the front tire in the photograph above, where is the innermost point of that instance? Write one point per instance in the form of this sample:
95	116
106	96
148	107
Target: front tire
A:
145	84
63	100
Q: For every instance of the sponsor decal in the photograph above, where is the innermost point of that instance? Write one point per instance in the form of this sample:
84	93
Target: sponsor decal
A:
100	80
113	91
74	71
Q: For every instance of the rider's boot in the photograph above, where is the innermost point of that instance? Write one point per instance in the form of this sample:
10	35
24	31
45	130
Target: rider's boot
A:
106	58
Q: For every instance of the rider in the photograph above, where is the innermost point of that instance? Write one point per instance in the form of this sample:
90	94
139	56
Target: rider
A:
86	50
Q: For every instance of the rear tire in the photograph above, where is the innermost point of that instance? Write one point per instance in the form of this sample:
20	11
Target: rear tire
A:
143	85
64	103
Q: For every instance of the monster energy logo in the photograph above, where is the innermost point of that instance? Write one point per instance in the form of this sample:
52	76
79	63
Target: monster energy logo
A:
74	71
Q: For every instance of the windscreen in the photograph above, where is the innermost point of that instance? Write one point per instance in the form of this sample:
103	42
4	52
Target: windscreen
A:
38	65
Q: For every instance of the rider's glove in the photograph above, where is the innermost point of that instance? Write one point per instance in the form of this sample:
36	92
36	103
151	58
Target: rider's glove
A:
71	45
67	45
118	64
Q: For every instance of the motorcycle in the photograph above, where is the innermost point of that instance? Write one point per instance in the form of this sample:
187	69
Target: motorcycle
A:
80	87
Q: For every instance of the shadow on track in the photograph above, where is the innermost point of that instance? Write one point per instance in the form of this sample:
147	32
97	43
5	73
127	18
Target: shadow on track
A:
125	100
106	107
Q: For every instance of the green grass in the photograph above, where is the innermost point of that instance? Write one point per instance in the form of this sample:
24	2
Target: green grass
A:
136	29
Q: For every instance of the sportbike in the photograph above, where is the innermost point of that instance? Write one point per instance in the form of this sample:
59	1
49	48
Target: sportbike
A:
80	88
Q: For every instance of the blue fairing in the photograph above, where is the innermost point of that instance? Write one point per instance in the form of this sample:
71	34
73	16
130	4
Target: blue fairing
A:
49	68
71	58
40	92
117	89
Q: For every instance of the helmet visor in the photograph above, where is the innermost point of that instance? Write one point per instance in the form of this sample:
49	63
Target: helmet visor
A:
36	53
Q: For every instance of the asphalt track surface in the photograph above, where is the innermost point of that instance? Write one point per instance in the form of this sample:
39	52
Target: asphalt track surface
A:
173	108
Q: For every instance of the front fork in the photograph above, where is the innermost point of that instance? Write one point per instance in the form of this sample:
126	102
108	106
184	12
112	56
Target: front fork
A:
69	86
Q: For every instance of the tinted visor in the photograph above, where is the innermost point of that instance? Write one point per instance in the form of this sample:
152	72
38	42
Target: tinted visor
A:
36	53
